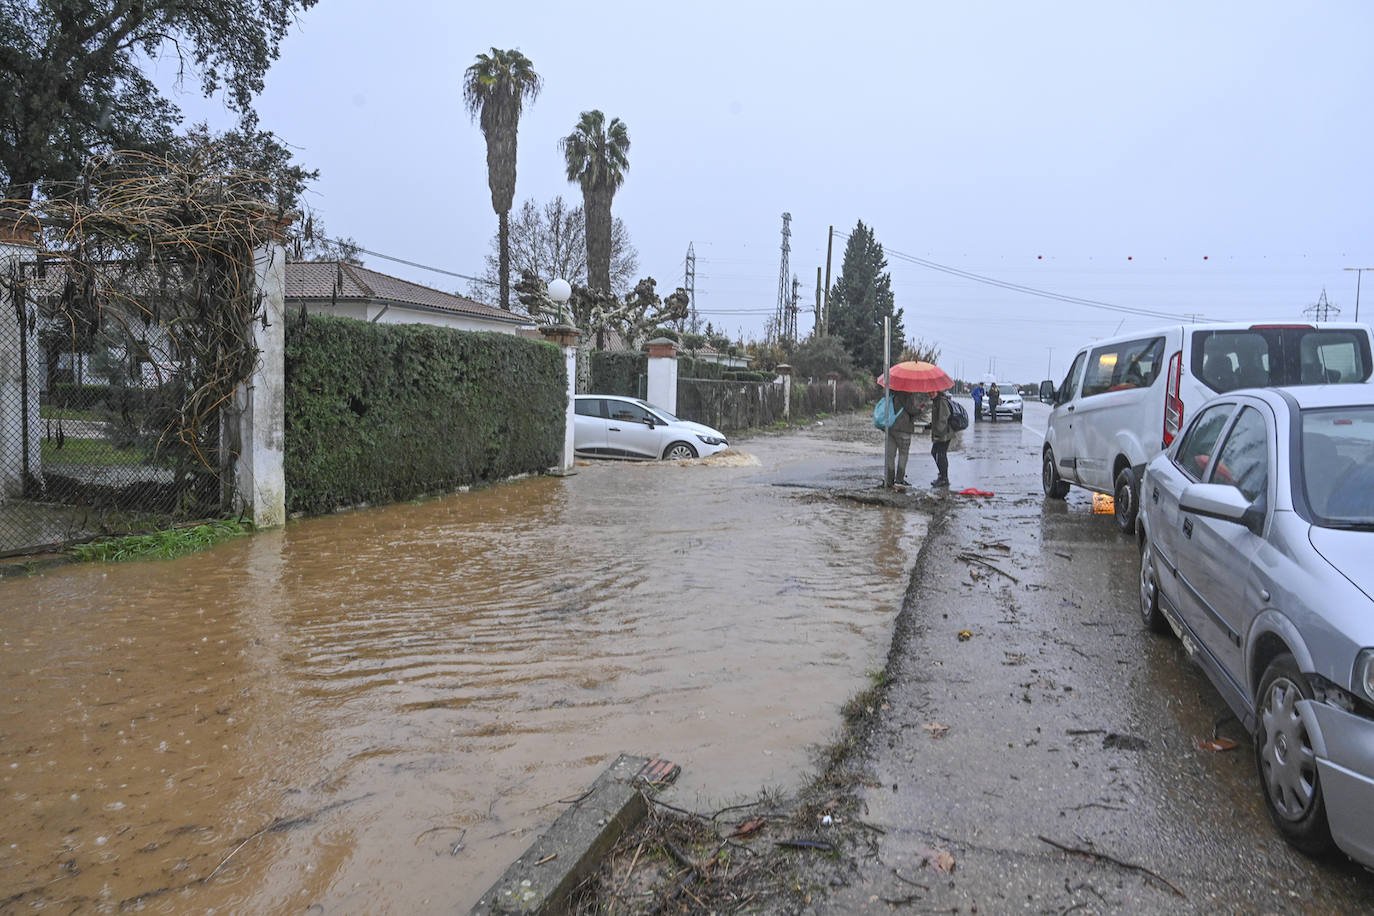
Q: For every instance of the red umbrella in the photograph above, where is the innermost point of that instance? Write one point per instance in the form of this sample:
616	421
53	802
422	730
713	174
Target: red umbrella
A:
911	376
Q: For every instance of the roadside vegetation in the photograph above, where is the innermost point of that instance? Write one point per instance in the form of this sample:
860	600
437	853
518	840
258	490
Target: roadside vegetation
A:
162	545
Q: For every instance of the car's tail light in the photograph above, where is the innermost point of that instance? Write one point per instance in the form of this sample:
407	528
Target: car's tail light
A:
1173	405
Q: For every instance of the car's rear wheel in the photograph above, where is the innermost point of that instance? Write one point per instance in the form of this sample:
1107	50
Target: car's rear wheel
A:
679	451
1286	761
1055	488
1150	613
1124	498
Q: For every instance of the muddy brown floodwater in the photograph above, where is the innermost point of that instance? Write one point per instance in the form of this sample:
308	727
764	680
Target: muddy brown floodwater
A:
377	711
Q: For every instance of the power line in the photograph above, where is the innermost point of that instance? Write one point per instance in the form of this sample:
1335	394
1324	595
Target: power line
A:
1027	290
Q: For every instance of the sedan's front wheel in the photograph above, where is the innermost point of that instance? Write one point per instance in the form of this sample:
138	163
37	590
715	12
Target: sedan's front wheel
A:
679	451
1286	761
1150	613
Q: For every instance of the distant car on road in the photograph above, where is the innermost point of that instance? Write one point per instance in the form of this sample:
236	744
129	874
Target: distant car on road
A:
1256	533
1009	406
612	426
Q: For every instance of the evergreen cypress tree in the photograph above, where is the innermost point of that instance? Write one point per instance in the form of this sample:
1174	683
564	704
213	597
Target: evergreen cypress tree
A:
861	298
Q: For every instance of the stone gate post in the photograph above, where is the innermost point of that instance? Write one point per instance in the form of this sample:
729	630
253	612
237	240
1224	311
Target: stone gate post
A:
565	336
21	430
833	380
662	387
260	403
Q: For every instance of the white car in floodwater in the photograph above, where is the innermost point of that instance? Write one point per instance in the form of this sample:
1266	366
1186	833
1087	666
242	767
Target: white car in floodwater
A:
612	426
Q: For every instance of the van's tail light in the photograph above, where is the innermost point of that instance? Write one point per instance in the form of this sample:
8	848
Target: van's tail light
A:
1173	406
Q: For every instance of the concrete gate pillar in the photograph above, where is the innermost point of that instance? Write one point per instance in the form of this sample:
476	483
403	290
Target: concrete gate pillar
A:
565	336
21	430
260	403
833	380
662	387
785	371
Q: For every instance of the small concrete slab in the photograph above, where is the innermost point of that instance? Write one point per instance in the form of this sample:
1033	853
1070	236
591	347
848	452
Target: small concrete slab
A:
542	879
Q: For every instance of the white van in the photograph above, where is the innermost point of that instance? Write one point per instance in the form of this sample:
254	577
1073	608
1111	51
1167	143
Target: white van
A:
1125	399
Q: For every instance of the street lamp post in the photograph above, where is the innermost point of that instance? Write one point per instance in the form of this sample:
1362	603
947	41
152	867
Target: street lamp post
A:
560	291
1359	272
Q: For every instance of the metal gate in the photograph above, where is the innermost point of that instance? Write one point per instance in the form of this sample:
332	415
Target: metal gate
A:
91	389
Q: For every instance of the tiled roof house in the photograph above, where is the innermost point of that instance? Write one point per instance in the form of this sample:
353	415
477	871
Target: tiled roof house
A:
350	291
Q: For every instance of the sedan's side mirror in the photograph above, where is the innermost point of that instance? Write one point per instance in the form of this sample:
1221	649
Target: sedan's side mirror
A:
1047	391
1225	502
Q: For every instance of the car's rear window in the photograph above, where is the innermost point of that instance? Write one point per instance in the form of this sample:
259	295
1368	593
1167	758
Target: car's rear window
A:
1338	464
1262	357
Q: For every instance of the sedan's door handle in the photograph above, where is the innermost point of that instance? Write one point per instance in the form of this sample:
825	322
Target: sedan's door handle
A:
1188	527
613	429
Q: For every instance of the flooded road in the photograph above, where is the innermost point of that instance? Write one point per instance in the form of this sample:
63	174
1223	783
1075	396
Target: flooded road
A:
376	711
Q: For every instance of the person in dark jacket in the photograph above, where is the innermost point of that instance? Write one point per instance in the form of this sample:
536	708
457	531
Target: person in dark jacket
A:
898	440
994	395
940	434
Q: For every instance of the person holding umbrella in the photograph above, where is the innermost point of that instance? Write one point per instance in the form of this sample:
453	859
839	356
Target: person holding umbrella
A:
940	433
902	380
897	444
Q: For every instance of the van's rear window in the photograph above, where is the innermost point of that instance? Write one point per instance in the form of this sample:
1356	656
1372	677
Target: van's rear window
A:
1265	357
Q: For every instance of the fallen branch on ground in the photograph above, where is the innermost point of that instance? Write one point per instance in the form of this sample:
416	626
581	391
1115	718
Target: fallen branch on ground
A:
1093	854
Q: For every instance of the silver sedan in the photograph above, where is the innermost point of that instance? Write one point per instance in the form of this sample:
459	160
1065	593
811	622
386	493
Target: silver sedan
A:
1256	536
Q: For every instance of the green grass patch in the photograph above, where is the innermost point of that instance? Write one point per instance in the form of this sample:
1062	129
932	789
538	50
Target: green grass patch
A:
91	452
162	545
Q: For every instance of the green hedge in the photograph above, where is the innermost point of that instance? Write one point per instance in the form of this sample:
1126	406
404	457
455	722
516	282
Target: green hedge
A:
78	397
618	372
381	413
688	367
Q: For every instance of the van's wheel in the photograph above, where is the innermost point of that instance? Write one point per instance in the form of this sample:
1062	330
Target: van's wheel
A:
1286	760
1055	488
679	451
1125	498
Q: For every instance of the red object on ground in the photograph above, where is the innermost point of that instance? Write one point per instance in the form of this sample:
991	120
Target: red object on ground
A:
974	491
910	376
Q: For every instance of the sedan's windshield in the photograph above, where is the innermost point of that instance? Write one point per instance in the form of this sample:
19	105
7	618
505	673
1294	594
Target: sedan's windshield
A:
1338	465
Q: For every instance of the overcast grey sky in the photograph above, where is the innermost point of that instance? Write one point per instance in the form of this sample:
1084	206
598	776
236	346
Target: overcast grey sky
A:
1177	157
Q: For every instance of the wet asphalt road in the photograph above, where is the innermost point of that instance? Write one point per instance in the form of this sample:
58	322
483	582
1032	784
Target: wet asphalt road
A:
1058	719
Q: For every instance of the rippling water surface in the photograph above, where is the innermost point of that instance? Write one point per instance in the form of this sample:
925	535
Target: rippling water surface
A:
377	711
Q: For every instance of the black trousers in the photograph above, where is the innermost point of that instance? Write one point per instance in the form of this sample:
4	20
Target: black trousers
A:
940	452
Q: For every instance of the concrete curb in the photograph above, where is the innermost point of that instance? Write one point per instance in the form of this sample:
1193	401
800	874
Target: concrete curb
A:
541	880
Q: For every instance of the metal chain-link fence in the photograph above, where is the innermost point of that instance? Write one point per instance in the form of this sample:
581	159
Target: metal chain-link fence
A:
92	384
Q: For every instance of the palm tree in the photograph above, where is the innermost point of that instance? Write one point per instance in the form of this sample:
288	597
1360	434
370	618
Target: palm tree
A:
494	90
596	156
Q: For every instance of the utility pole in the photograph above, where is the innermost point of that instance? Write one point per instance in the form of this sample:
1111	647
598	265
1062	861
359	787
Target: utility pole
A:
818	330
1049	364
1359	272
784	274
689	283
829	247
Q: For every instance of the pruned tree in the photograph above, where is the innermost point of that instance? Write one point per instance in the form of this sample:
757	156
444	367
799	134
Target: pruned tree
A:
495	89
76	87
595	313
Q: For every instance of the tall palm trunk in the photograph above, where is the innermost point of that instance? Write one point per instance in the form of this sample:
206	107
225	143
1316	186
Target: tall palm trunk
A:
503	235
598	206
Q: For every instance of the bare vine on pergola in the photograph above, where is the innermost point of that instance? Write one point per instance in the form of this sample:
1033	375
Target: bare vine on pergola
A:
141	241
